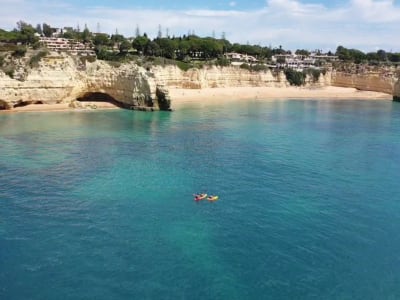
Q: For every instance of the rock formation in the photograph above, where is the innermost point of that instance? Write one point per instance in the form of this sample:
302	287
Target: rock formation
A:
396	91
62	78
173	77
212	76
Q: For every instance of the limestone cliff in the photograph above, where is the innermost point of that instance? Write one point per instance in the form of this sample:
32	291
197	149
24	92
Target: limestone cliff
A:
378	81
396	91
211	77
374	81
62	78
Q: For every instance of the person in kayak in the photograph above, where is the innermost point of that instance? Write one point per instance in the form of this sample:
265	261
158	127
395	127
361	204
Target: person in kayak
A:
198	197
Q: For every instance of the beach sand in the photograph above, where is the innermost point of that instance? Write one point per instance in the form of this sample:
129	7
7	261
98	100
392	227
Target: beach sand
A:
207	96
62	107
181	97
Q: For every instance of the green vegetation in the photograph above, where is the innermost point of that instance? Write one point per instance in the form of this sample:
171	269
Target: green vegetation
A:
314	73
23	34
185	51
35	59
294	77
19	51
254	67
9	71
183	66
373	58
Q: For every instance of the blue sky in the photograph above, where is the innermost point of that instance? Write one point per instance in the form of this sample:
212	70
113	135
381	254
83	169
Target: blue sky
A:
367	25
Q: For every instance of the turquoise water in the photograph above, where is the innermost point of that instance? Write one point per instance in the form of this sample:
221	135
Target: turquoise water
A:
98	205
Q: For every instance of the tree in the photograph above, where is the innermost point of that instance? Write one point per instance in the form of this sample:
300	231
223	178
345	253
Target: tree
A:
372	56
394	57
86	35
343	53
117	38
26	33
101	40
357	56
153	49
69	35
382	56
302	52
124	47
39	29
140	43
47	30
168	47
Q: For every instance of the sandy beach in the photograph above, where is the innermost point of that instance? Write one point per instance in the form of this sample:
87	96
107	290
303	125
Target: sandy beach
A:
62	107
218	95
207	96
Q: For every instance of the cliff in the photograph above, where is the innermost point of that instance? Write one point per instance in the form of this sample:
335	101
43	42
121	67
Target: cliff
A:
383	81
373	81
212	76
62	78
396	91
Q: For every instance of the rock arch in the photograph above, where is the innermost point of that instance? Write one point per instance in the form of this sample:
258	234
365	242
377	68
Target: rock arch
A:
100	97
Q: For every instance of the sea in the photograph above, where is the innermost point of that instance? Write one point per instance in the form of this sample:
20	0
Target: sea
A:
99	204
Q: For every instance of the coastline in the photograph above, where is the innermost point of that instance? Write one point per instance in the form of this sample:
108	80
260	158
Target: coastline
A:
209	96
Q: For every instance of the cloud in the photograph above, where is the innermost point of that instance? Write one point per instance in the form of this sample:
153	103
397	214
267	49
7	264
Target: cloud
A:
232	4
383	11
361	24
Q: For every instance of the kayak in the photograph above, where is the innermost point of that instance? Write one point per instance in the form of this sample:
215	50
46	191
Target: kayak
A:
200	197
212	198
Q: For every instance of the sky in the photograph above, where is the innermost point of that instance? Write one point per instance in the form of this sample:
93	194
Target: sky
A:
367	25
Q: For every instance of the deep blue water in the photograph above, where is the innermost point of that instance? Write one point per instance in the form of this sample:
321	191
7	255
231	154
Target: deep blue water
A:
98	205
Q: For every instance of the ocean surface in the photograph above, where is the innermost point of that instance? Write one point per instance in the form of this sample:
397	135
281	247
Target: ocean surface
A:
99	204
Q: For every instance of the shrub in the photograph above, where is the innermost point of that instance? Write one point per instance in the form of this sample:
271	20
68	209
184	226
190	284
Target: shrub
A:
223	62
245	66
183	66
10	72
295	77
259	67
314	73
19	52
34	61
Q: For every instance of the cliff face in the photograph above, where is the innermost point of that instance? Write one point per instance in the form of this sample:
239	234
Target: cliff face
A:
396	91
210	77
374	81
61	78
173	77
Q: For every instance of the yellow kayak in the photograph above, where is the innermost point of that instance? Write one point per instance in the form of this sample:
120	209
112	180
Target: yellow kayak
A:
212	198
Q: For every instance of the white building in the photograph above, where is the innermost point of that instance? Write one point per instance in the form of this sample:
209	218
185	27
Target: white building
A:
67	45
239	57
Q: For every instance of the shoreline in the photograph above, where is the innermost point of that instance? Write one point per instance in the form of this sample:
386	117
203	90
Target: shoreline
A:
180	97
59	107
209	96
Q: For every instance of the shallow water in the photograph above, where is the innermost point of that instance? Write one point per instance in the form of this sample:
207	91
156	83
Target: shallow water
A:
98	205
